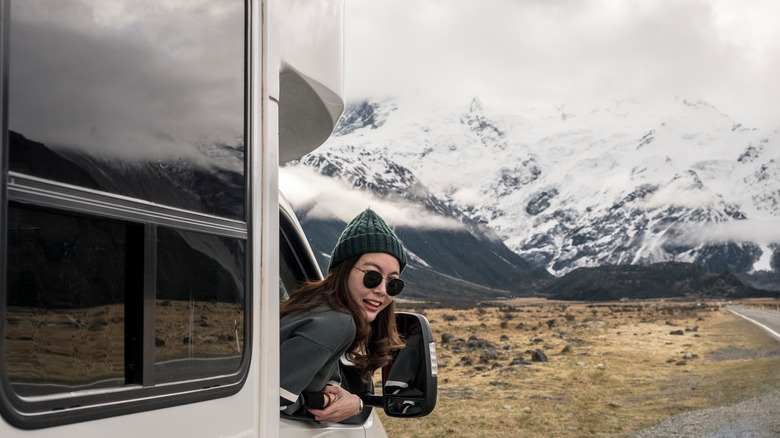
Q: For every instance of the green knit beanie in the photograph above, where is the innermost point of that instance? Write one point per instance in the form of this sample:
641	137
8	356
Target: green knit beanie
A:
365	234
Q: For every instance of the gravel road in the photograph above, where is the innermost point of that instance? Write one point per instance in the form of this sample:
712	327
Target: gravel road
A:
758	417
755	418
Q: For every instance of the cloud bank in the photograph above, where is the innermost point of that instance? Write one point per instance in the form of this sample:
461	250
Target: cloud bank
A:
764	231
332	199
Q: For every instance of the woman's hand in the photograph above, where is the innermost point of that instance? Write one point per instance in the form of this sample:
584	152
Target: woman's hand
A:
342	405
328	399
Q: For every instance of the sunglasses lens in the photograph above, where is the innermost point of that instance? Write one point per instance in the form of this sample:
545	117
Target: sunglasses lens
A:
372	279
395	286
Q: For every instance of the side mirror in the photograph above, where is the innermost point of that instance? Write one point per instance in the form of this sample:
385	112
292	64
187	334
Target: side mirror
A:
410	381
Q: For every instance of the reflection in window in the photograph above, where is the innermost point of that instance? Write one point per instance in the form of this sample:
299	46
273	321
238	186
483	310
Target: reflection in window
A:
65	317
199	313
138	98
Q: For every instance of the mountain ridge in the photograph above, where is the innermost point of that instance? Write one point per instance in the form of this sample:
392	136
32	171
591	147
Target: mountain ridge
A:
566	188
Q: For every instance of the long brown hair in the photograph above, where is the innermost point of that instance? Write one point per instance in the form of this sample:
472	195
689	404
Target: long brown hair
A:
376	342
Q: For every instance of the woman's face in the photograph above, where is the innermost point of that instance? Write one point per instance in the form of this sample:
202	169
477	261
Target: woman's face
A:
373	301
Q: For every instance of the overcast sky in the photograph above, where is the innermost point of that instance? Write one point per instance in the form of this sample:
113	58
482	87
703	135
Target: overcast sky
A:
532	52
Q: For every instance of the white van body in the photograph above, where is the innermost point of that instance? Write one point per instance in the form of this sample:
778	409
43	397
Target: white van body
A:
292	97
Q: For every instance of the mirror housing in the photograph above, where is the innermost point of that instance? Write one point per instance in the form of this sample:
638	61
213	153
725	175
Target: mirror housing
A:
410	380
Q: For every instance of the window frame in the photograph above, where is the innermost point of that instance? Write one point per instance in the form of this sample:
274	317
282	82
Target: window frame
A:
293	248
143	218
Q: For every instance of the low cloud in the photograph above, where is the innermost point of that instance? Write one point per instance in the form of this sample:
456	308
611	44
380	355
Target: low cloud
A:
332	199
675	196
764	231
685	190
467	196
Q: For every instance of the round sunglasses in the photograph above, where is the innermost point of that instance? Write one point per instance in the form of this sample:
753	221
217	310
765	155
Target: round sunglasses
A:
372	279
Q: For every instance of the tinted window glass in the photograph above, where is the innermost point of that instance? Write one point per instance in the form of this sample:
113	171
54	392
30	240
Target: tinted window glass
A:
199	317
65	315
295	266
141	98
289	272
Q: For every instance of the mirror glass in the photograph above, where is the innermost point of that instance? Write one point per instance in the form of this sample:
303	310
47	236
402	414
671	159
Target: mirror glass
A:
410	380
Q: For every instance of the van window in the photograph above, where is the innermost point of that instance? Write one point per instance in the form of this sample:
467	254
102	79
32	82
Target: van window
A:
296	264
143	99
65	314
125	245
199	310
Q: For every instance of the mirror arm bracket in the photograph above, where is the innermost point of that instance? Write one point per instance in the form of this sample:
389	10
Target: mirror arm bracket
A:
376	401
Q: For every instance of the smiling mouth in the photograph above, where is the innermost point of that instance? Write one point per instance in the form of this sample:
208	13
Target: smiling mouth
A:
373	304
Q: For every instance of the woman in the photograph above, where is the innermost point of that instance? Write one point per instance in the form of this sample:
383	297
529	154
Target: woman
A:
349	316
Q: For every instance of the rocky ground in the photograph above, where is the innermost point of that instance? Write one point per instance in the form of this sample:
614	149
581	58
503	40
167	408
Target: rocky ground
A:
606	370
757	417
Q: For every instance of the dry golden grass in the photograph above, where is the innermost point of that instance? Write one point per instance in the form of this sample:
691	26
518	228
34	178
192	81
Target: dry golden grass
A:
613	369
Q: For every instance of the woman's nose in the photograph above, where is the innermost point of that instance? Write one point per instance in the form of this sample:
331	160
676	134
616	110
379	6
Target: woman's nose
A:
382	287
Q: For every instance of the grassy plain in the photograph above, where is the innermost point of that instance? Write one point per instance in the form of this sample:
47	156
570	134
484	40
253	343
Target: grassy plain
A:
612	369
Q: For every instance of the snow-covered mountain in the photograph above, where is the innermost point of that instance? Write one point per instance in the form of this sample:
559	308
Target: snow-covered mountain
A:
569	187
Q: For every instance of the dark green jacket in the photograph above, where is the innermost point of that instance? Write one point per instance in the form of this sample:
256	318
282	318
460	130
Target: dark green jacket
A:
311	344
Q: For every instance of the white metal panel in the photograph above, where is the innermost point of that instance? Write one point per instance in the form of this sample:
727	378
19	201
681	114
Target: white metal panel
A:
374	427
306	51
267	262
223	417
308	111
309	38
265	187
304	429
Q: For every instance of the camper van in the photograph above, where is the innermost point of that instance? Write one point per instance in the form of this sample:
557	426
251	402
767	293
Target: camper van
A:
145	246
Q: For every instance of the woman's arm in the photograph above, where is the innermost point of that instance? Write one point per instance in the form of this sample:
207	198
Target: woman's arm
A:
308	356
